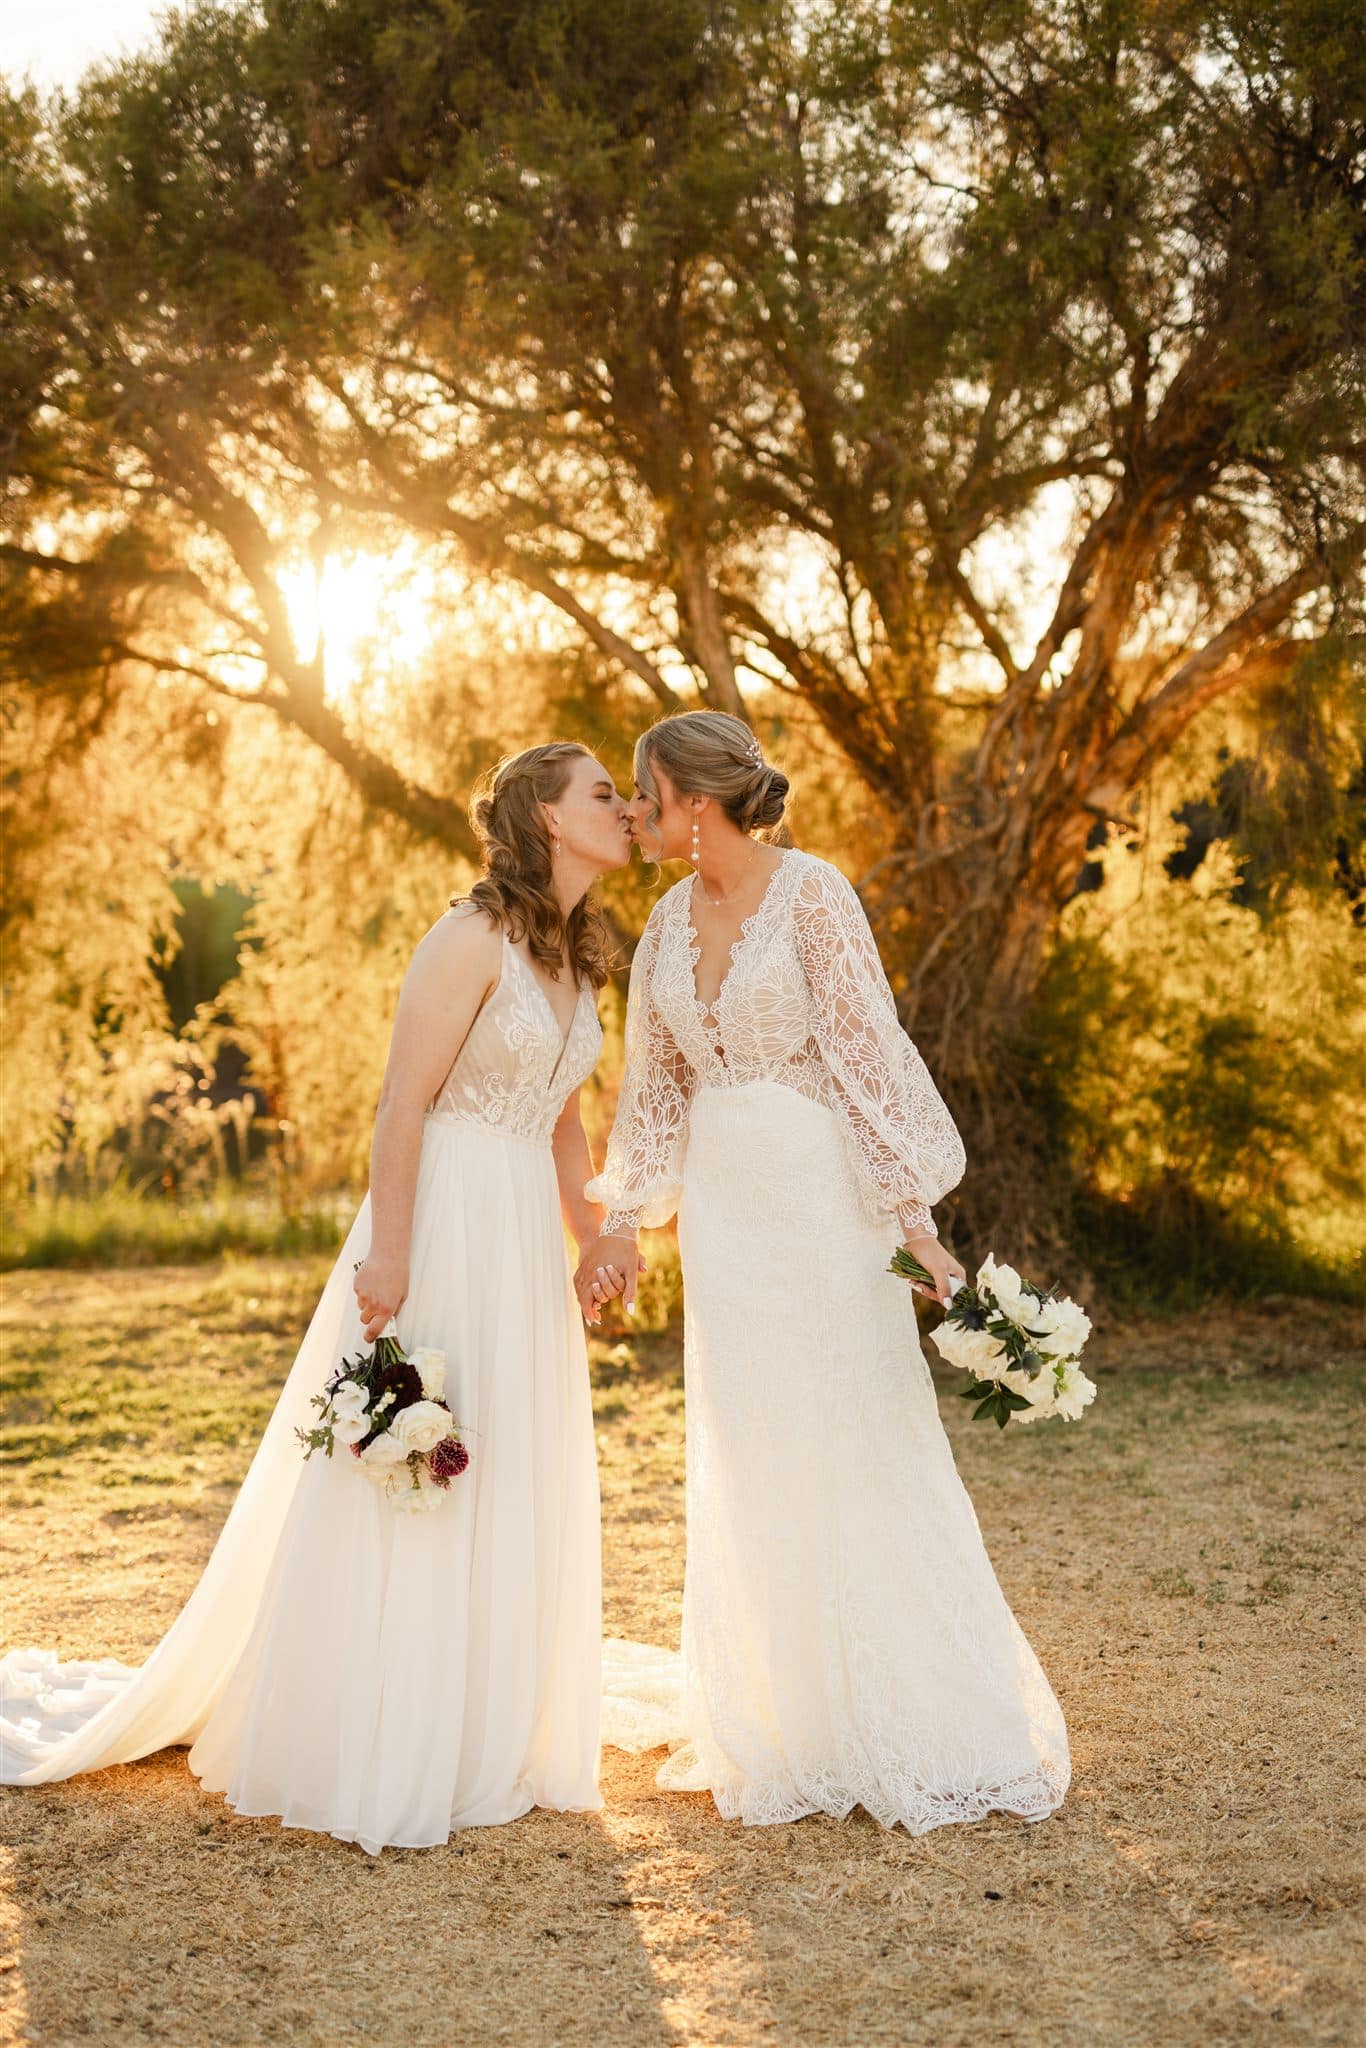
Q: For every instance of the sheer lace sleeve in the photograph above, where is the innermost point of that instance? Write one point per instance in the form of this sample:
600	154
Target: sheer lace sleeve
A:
907	1143
642	1176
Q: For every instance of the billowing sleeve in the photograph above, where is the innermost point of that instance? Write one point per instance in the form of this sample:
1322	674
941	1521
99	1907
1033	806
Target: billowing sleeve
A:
642	1176
907	1144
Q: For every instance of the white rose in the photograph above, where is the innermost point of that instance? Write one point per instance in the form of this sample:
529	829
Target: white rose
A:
1006	1286
350	1399
422	1426
417	1500
1037	1389
349	1429
1061	1327
380	1457
431	1367
977	1351
1075	1392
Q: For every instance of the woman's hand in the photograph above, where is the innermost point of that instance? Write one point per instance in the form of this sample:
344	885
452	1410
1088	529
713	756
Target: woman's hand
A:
608	1267
381	1288
936	1260
599	1286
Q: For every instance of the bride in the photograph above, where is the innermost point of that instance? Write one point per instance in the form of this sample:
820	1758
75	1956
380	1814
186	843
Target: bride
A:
387	1677
844	1638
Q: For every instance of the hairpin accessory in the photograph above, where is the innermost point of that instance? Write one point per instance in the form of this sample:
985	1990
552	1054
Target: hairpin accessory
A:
755	752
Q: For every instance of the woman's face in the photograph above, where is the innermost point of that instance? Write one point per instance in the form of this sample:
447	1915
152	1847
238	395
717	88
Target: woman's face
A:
666	835
592	821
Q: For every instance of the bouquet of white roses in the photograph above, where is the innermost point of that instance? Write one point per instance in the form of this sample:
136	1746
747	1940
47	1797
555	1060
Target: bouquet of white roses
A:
1020	1343
387	1406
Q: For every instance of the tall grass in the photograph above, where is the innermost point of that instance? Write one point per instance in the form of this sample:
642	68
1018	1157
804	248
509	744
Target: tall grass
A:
119	1226
1158	1255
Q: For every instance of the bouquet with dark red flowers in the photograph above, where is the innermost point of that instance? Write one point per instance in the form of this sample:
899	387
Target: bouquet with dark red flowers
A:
388	1407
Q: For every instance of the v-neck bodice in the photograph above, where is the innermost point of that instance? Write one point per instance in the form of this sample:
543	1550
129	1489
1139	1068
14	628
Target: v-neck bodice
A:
804	1005
757	1023
707	1010
517	1066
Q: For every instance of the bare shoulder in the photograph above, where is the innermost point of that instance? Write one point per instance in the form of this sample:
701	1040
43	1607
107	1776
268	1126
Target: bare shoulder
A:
464	945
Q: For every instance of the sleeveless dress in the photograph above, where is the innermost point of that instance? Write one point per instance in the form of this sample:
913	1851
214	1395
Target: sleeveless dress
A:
379	1676
845	1641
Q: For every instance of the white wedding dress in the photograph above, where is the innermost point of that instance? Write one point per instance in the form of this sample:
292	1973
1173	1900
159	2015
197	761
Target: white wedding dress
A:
385	1677
844	1641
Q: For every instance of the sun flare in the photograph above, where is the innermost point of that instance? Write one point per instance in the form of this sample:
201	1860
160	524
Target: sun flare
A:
370	616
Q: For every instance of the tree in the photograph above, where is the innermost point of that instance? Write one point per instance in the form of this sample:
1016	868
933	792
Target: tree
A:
980	379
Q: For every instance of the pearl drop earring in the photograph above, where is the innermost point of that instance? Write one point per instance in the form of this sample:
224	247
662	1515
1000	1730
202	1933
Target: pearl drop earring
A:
696	840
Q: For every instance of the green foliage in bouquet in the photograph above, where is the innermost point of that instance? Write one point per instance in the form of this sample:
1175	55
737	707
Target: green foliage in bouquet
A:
1019	1342
386	1370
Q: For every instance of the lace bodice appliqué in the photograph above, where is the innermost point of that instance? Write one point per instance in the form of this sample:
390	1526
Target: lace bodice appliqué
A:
804	1002
709	1015
517	1067
734	1047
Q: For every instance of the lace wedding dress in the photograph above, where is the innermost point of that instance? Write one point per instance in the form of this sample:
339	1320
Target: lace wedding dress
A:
378	1676
844	1641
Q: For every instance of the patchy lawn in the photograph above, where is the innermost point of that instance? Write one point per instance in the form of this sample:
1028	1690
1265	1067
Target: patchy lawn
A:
1181	1561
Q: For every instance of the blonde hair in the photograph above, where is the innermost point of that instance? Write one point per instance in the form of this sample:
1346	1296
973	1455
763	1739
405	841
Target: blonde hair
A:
709	753
516	887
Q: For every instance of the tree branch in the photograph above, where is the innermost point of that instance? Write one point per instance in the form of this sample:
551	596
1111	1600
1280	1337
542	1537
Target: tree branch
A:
382	785
1230	658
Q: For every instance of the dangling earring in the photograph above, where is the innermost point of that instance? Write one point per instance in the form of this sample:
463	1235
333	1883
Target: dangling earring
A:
696	840
555	843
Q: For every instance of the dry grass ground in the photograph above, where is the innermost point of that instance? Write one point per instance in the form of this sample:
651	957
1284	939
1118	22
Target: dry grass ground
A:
1181	1561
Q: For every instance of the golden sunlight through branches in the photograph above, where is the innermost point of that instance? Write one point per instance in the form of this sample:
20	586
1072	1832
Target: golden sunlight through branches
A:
367	615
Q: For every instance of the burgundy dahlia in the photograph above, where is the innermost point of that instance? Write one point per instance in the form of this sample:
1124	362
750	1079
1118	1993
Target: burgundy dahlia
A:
403	1380
448	1460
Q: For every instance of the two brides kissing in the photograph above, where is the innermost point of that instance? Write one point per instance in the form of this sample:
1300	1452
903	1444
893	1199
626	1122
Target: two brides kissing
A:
387	1678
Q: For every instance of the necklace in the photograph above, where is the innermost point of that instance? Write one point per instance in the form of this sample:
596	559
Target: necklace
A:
730	896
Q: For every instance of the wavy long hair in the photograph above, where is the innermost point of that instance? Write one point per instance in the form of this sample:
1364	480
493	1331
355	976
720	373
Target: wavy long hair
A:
516	887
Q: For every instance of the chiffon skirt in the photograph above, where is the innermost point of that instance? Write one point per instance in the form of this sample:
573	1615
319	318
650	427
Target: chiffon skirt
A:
377	1676
845	1641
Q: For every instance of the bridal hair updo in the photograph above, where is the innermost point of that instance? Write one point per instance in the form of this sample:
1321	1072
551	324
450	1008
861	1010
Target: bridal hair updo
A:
516	887
709	753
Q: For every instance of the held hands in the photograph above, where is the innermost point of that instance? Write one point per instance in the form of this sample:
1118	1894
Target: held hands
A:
935	1259
608	1267
381	1288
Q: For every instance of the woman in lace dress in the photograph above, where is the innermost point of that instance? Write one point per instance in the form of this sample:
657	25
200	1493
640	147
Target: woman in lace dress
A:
844	1638
382	1676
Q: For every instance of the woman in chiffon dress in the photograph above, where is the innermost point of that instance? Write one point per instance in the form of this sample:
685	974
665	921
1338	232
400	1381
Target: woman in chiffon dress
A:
844	1639
380	1676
